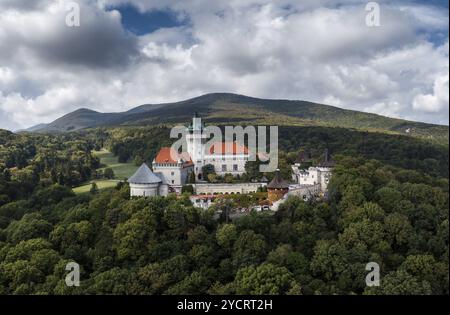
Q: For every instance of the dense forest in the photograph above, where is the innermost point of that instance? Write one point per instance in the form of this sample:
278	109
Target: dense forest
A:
387	203
141	145
31	160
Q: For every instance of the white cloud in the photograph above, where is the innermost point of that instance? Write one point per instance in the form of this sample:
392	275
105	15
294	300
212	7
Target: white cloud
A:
437	101
44	107
310	50
6	75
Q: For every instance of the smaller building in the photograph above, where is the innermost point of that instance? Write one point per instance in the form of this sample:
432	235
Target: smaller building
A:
312	176
277	188
203	201
144	183
306	175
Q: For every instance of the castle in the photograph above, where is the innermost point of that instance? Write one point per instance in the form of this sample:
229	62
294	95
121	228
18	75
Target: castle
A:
226	157
173	169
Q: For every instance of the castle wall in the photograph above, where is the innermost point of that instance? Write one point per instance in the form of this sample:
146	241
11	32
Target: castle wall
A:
305	192
222	188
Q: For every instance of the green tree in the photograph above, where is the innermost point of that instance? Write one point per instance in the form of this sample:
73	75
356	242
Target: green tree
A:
191	178
252	169
207	170
130	238
400	283
94	188
212	178
30	226
226	235
114	281
398	229
249	249
426	268
189	189
285	256
108	173
263	279
195	283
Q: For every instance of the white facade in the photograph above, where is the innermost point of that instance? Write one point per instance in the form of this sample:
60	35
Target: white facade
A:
312	176
175	175
228	163
144	190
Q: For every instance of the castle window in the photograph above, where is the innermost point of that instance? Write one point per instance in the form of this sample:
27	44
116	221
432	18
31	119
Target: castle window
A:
235	167
224	168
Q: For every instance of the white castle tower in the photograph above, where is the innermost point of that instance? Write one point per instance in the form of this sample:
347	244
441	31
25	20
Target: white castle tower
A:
144	183
196	140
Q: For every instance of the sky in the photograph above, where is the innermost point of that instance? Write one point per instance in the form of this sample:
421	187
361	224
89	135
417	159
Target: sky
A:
126	53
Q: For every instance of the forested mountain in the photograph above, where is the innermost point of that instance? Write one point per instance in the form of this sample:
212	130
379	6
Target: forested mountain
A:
238	109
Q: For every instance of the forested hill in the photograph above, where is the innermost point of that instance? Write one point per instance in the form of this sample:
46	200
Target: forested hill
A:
387	203
239	109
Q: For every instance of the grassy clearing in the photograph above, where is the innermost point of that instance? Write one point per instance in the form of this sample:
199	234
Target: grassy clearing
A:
121	171
101	184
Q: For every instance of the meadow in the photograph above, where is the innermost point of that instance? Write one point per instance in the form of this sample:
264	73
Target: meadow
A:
108	160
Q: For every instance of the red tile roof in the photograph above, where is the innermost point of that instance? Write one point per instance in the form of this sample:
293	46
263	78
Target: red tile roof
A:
169	155
228	148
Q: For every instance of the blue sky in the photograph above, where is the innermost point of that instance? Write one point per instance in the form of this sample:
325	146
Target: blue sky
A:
141	23
145	22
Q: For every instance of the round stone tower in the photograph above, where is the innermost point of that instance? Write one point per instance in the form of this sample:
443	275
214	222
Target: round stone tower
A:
144	183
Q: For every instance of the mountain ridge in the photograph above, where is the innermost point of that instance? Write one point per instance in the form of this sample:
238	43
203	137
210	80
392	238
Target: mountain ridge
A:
234	108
